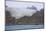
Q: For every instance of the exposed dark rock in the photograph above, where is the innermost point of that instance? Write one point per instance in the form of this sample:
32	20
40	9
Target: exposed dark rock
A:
8	18
37	18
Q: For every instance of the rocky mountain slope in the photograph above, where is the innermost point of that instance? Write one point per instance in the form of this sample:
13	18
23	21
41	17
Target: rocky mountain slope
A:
37	18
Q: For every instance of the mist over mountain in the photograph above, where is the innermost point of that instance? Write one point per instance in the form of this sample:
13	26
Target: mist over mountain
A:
33	7
37	18
24	13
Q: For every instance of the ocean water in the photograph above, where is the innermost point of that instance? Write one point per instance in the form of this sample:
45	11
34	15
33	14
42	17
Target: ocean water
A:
23	27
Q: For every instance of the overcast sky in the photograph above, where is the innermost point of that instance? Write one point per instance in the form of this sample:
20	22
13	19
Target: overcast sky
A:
24	5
